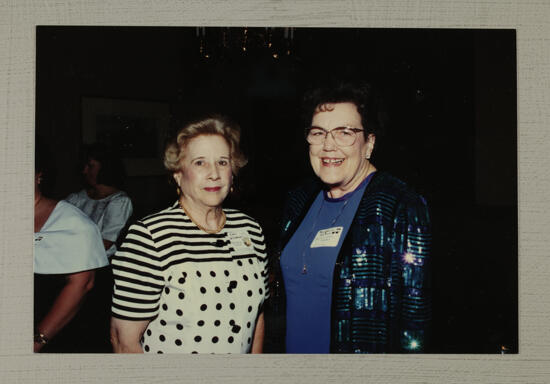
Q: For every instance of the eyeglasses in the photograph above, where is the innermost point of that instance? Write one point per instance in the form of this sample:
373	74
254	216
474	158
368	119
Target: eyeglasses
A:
343	136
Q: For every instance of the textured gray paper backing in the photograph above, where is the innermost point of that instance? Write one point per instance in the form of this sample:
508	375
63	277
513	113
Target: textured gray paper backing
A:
17	105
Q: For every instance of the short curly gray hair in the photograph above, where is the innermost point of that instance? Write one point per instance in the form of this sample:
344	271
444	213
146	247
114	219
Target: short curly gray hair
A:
210	125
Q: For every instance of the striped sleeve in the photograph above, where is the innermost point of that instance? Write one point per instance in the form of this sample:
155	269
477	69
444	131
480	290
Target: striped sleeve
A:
138	278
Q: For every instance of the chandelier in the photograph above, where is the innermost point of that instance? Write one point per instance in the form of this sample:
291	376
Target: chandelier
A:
219	43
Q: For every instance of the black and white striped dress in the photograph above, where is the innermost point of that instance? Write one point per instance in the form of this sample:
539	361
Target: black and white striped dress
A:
201	292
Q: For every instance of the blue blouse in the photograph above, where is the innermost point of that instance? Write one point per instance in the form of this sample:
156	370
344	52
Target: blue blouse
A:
307	264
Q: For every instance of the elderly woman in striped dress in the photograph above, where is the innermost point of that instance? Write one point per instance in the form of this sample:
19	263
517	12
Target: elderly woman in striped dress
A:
193	277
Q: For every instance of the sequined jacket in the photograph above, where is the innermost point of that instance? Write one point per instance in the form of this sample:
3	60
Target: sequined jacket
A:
381	282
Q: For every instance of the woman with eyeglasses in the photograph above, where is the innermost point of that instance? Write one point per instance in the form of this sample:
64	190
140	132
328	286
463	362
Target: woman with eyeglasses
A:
355	242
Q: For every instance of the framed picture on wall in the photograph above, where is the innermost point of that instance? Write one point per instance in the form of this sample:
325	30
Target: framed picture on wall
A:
135	129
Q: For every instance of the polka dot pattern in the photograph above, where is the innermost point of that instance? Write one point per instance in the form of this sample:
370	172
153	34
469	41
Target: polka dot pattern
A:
209	306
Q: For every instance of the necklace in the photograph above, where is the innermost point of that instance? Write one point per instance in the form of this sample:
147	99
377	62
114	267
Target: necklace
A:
200	226
304	262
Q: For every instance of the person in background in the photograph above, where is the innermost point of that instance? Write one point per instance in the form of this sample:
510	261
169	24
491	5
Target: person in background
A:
193	277
355	242
110	208
67	251
101	199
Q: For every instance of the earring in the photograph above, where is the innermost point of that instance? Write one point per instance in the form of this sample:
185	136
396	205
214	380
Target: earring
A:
178	190
231	189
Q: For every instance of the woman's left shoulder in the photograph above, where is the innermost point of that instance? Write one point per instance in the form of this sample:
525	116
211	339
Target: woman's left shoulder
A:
392	185
235	215
120	196
72	217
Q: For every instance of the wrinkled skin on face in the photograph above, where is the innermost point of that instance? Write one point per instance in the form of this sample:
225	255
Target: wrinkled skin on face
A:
342	169
205	175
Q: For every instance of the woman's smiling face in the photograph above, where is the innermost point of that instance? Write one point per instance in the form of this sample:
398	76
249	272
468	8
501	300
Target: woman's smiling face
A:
342	169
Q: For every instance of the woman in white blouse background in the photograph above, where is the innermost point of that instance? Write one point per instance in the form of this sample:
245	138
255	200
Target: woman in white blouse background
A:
193	277
102	199
67	253
110	209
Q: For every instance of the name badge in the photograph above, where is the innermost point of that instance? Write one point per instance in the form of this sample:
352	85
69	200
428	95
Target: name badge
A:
327	237
240	241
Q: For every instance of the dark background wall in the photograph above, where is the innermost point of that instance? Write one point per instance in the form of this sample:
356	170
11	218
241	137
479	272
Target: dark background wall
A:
448	106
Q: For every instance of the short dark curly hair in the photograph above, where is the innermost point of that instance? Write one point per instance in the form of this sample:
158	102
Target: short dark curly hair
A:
112	171
361	94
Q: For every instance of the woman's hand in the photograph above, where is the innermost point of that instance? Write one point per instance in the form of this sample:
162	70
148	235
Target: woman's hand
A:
66	305
126	335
